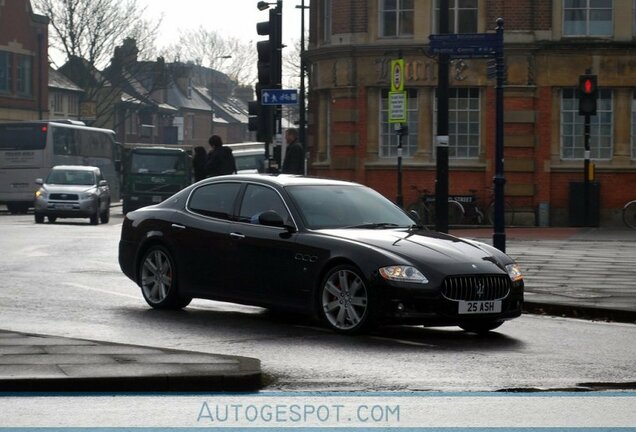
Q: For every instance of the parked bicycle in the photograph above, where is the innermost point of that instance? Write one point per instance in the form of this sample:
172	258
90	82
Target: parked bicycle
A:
629	214
425	208
509	210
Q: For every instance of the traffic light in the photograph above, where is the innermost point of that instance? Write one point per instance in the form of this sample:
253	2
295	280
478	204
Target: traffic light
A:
262	117
587	93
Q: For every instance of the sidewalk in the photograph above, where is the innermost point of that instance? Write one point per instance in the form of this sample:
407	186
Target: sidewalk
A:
574	272
35	363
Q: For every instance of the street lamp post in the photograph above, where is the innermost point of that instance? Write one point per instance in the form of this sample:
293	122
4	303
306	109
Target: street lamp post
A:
302	122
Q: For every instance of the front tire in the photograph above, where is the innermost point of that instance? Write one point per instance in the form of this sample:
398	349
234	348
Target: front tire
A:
481	328
39	218
344	300
104	217
158	280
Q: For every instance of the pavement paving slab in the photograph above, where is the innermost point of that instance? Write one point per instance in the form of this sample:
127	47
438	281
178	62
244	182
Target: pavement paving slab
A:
36	363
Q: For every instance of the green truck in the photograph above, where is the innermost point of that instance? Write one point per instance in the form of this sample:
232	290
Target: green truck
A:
153	173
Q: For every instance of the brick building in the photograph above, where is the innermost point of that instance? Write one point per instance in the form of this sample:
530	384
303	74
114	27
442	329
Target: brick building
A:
23	62
548	44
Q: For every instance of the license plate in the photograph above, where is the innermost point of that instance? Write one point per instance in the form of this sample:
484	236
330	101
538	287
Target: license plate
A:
64	206
156	199
479	307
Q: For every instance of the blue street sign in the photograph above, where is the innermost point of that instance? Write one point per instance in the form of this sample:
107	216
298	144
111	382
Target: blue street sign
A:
279	97
469	45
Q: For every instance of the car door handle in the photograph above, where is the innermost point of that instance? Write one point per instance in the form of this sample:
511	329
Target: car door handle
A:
237	236
178	226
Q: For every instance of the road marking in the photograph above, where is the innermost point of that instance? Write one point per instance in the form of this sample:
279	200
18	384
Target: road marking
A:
86	287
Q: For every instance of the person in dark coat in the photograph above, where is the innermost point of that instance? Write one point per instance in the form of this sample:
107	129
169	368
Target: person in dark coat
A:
198	163
294	162
220	160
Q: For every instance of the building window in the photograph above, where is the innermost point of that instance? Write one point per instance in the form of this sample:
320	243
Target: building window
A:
24	83
572	127
58	103
5	72
462	16
73	105
587	17
464	112
396	18
327	21
388	136
634	126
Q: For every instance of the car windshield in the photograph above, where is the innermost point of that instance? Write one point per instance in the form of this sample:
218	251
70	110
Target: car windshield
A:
71	177
158	163
346	206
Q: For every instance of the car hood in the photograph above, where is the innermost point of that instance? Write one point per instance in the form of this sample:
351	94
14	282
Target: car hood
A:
429	250
73	189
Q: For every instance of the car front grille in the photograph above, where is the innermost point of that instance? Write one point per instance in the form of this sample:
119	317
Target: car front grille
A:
64	197
476	288
152	187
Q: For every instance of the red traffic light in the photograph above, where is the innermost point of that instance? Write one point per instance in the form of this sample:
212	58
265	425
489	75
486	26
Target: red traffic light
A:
588	86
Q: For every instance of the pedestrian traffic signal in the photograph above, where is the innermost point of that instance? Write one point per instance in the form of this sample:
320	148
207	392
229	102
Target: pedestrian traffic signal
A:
587	94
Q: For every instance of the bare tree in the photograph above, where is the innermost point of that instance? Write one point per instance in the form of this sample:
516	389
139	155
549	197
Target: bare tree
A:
207	48
91	29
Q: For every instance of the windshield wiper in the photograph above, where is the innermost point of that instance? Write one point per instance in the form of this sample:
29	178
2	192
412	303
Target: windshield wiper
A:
375	225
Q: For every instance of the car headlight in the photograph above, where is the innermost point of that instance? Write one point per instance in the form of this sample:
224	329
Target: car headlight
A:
89	195
403	273
514	272
41	193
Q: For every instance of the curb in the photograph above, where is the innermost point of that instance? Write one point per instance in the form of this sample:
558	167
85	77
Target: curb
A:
581	312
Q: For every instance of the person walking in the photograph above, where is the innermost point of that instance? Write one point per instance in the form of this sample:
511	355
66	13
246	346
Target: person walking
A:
294	162
198	163
220	160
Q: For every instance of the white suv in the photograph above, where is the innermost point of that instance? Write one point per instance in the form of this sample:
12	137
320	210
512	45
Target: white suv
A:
73	191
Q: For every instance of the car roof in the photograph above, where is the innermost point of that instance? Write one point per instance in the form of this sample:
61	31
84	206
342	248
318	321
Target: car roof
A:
285	179
75	167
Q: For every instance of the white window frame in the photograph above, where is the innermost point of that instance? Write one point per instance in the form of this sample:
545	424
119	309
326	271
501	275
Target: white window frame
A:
327	23
601	127
464	106
398	11
589	10
388	137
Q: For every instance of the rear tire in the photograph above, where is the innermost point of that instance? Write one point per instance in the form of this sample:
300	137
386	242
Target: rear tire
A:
509	214
158	280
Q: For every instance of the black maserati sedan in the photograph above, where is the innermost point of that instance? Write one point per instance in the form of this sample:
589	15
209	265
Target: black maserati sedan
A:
337	250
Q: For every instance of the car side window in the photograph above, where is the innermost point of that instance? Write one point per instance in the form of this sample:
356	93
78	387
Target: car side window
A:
216	200
258	199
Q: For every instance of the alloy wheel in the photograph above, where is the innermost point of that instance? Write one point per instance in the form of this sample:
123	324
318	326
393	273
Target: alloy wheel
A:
345	300
156	276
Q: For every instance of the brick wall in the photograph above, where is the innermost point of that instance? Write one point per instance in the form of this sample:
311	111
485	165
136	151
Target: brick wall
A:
349	16
521	14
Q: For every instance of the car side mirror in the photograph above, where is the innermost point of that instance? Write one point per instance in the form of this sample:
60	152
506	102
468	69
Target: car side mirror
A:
271	218
39	181
102	183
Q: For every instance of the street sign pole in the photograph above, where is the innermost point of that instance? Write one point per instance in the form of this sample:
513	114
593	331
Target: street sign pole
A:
499	235
397	115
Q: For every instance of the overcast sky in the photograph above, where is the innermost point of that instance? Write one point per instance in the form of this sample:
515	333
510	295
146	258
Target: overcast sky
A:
236	18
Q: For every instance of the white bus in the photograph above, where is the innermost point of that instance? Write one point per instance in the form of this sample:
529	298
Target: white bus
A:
28	150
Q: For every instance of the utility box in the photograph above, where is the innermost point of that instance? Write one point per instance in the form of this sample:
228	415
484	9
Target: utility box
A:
577	204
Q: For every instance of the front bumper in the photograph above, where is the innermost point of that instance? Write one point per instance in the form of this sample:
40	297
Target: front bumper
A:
62	208
414	305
